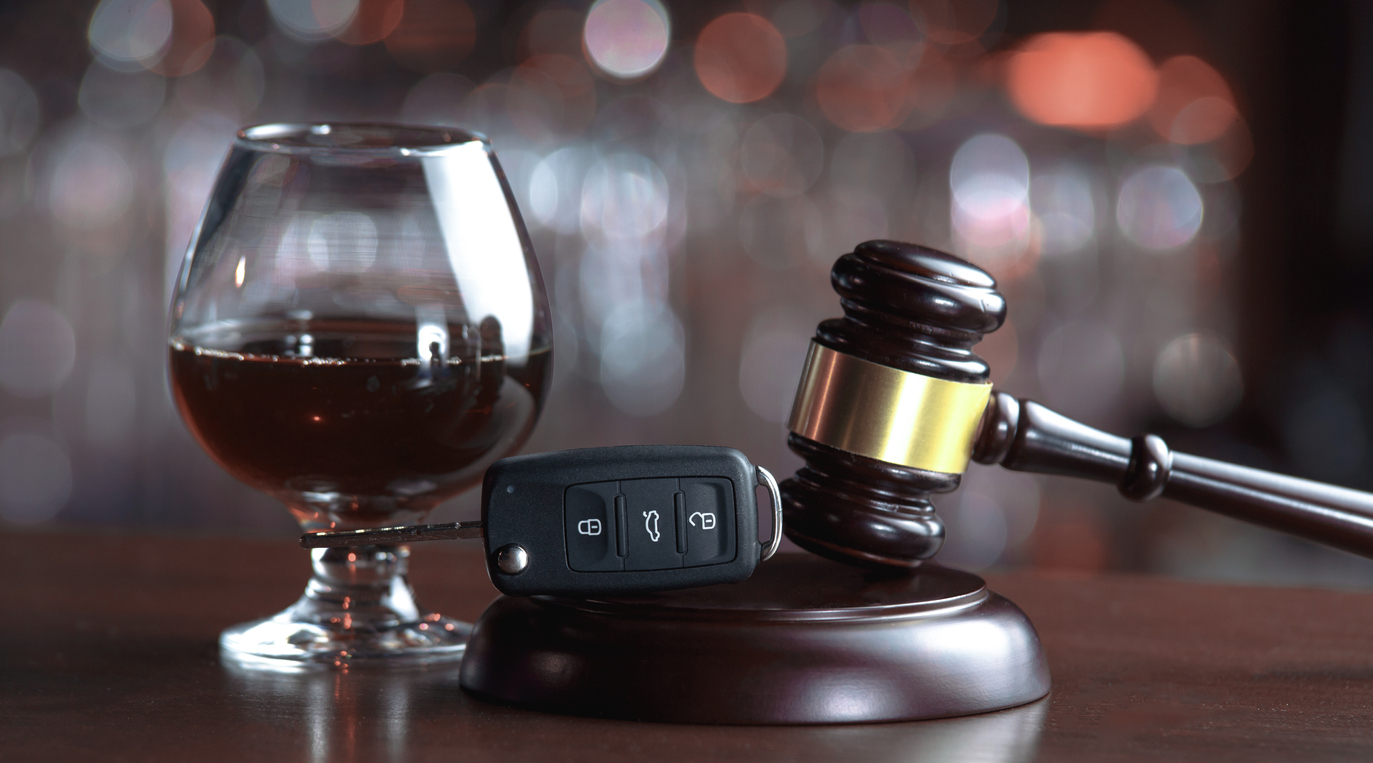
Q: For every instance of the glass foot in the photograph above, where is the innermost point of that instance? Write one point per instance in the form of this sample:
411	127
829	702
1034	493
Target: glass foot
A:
358	609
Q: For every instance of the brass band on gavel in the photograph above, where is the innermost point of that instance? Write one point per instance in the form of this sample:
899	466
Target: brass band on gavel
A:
887	414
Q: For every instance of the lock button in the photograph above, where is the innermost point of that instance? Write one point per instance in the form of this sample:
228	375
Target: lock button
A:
589	527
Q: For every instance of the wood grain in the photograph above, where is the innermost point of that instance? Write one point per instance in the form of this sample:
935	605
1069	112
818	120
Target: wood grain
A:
107	651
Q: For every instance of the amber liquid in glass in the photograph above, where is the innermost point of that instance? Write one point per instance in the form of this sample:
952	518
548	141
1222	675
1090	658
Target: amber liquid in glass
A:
342	422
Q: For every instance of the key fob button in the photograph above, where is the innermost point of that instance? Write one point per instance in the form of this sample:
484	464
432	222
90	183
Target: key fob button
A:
652	524
709	520
589	527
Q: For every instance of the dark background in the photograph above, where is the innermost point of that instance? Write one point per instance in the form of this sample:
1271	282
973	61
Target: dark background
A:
96	202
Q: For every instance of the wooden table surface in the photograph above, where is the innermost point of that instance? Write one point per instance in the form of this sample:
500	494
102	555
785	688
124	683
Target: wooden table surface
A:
107	652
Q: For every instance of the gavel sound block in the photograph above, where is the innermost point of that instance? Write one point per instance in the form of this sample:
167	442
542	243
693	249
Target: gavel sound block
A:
892	405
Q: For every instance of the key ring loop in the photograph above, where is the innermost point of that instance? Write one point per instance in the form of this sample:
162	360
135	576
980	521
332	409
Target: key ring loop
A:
766	476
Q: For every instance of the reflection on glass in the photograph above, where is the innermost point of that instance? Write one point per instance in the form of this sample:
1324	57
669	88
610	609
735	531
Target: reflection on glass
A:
359	330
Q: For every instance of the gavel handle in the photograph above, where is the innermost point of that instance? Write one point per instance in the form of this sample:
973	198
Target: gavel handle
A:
1026	436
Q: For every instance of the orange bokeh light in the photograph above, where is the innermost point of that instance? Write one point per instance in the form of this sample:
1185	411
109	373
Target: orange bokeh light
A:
1194	104
863	88
192	40
740	57
433	35
373	21
1091	80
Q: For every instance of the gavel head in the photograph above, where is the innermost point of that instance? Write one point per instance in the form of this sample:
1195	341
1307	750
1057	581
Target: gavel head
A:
889	404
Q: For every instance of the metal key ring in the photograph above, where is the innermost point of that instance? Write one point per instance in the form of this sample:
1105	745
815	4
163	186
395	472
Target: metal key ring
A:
776	539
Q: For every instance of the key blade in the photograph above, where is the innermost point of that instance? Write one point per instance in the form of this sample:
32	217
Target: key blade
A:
391	536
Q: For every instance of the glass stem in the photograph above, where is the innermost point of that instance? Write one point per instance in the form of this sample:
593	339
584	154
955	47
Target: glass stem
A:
366	587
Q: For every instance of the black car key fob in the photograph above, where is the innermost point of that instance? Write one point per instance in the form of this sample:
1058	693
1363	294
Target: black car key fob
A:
606	521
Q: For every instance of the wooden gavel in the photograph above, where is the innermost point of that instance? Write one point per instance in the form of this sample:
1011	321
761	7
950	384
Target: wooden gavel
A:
893	404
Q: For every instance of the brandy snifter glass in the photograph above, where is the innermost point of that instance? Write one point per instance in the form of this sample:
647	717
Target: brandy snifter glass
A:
359	329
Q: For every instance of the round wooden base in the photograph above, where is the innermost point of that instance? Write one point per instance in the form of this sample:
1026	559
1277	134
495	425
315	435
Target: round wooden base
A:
805	640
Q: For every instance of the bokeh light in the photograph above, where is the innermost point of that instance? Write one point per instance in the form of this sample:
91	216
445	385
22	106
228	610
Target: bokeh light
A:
953	22
130	34
626	39
1194	103
1090	80
555	188
863	88
120	99
624	199
551	97
231	82
1197	380
798	18
891	27
312	20
433	35
191	41
643	358
1159	207
740	57
1082	370
1064	204
35	475
37	348
990	182
342	242
91	185
782	155
371	21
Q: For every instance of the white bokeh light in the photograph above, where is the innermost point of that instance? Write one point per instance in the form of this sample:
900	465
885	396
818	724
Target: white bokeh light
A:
312	20
643	358
1197	380
37	348
1063	202
624	198
131	34
627	39
1159	207
343	242
990	182
91	185
555	188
